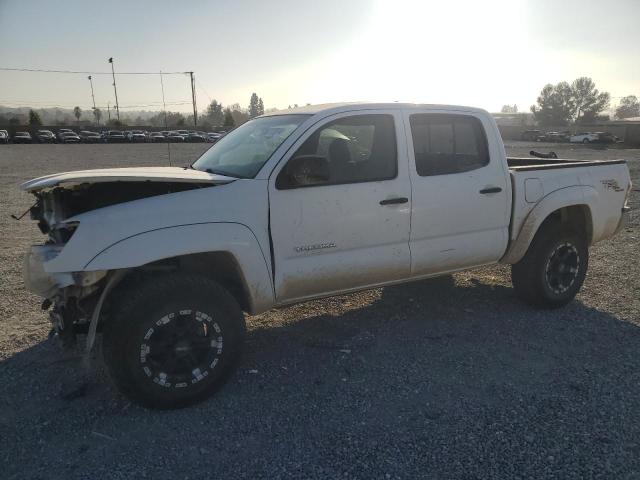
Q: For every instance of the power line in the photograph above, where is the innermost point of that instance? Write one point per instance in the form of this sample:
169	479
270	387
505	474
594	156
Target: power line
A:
39	105
205	92
40	70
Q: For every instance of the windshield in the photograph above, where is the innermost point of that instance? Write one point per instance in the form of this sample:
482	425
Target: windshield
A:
244	151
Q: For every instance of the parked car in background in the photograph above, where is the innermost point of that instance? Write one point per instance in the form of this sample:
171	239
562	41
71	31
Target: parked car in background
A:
558	137
64	131
87	136
196	137
22	137
4	136
530	135
155	137
114	136
175	137
184	133
213	137
136	136
68	137
45	136
606	137
584	137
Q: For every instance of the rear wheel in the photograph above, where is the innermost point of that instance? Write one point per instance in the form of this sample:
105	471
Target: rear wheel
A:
174	341
585	141
553	269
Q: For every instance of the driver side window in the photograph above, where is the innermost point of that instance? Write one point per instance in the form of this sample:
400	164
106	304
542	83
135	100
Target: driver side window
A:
353	149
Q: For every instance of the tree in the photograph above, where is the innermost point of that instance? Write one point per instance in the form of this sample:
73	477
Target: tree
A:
228	118
14	121
260	106
34	119
629	107
589	102
254	106
509	109
97	114
173	119
555	105
580	102
114	122
77	112
239	115
214	113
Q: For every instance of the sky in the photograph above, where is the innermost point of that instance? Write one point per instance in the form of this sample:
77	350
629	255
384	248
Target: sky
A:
480	53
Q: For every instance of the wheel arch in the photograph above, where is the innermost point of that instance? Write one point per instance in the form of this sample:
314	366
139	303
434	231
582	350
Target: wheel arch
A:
570	206
220	266
226	252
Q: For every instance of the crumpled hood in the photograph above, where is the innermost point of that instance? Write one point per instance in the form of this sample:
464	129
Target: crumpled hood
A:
137	174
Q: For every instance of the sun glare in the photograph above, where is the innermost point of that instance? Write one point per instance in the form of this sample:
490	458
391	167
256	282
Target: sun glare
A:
423	51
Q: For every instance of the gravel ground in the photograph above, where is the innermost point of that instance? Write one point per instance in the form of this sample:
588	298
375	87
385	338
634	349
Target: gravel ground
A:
448	378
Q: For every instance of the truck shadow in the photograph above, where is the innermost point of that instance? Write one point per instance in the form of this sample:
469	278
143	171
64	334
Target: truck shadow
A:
427	360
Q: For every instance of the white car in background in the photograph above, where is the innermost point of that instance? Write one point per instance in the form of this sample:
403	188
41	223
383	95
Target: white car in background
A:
587	137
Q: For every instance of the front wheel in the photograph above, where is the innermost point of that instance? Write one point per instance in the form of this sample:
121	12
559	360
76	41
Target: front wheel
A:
553	269
585	141
174	341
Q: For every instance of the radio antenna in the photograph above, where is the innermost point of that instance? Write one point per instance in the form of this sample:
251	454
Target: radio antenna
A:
164	110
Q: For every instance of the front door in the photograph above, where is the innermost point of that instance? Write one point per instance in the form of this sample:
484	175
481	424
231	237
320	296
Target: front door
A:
346	227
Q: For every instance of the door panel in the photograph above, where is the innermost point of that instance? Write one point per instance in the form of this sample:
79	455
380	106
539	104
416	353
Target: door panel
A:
453	224
334	237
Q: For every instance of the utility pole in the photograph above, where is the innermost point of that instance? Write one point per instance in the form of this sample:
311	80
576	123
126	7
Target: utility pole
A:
109	111
93	98
193	98
115	91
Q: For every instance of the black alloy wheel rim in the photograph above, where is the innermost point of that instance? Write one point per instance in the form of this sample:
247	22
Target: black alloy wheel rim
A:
562	268
181	348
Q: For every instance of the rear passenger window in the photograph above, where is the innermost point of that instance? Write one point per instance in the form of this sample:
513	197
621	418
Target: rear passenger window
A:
445	144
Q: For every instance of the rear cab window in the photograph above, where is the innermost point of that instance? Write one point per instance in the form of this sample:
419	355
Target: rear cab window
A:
444	144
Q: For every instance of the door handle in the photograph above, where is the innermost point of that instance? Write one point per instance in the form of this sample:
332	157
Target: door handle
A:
394	201
484	191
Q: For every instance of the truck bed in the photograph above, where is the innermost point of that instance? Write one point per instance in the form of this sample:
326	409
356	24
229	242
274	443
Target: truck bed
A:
523	164
534	180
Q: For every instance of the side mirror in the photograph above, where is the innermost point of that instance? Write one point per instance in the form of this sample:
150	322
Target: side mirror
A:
304	170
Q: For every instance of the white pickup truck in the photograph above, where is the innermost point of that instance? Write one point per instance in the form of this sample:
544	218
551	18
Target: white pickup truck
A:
295	205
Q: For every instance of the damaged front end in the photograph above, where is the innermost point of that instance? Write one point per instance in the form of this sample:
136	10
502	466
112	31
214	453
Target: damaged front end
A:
56	269
73	296
70	294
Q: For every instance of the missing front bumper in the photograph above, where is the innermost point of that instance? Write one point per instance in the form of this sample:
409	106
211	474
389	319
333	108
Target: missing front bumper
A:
36	279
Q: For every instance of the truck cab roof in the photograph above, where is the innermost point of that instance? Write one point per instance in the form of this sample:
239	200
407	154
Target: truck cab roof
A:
331	108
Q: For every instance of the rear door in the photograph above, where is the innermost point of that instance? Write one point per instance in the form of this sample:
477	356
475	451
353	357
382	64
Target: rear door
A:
352	230
460	192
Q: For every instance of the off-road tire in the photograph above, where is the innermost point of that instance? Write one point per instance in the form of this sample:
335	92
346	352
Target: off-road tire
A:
535	276
193	306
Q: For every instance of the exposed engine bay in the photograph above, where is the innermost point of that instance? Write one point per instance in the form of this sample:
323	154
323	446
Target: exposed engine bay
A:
60	203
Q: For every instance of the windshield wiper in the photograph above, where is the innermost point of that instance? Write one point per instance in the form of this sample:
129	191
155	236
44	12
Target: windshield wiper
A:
226	174
214	172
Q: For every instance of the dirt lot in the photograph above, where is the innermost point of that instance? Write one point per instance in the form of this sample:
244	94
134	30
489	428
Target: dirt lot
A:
450	378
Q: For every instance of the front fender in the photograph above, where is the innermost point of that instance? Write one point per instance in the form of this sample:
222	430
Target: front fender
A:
579	195
163	243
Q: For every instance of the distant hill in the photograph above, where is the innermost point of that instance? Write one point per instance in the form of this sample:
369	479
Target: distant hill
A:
64	116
